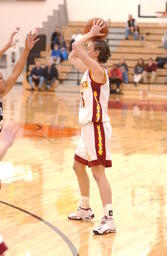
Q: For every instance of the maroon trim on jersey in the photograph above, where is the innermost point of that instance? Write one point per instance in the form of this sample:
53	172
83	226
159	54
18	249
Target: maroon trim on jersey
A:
100	142
80	160
106	163
97	82
3	247
97	109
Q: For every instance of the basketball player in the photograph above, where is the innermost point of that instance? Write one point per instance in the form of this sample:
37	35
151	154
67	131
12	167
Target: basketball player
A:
2	51
6	85
9	44
8	133
7	137
94	146
3	246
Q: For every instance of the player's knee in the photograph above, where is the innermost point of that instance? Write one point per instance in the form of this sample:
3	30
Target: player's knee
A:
78	169
97	177
75	168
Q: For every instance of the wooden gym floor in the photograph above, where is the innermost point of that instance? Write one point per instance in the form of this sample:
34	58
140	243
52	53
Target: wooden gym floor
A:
39	188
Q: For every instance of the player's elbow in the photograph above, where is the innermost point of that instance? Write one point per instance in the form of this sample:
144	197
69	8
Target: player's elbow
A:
75	47
71	57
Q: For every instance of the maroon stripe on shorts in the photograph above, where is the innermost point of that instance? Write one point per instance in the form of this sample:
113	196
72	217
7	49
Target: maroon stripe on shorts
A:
3	247
80	160
100	142
106	163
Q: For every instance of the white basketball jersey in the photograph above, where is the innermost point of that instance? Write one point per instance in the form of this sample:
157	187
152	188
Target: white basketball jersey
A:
94	100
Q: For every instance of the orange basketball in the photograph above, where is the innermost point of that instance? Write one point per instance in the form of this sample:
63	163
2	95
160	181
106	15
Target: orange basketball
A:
90	24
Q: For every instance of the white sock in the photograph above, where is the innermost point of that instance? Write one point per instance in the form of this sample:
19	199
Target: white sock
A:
108	210
84	202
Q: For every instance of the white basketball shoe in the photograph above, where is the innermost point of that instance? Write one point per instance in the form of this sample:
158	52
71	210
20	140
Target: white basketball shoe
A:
106	226
82	214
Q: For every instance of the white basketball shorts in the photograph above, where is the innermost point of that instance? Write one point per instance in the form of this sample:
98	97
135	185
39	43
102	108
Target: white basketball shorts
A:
94	145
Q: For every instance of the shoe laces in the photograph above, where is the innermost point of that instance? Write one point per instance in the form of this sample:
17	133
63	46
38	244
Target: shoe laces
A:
103	220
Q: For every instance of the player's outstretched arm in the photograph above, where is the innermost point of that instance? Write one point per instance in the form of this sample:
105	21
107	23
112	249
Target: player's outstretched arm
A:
8	44
7	137
82	54
30	41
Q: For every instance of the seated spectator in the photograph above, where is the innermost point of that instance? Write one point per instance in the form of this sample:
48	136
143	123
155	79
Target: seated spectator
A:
115	77
149	70
161	61
56	54
64	53
62	43
164	40
124	69
71	42
131	28
55	39
108	23
36	75
50	74
138	71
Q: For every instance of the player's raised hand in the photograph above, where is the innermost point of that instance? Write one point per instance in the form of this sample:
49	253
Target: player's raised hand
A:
97	27
31	40
11	39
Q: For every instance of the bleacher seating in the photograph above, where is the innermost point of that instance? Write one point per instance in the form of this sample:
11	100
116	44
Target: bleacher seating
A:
130	50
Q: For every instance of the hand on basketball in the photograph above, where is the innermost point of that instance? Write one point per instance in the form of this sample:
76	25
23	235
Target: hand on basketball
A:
11	39
96	28
8	134
31	40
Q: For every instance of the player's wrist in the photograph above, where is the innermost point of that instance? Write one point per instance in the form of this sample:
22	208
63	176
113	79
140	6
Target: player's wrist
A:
90	34
4	144
8	45
26	50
